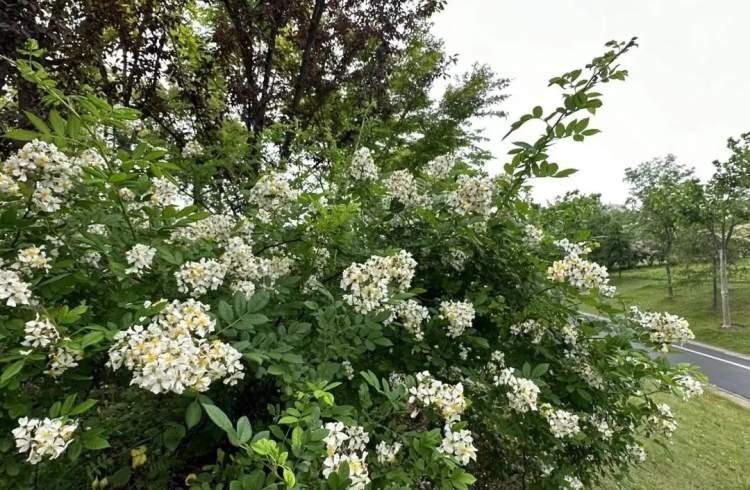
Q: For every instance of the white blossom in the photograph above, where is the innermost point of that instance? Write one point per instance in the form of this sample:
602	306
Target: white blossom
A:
192	149
13	290
458	314
440	167
402	186
532	328
664	329
448	399
523	393
363	167
473	196
32	258
272	192
198	278
43	438
579	272
460	445
689	386
386	453
164	192
562	423
173	353
370	283
139	258
412	314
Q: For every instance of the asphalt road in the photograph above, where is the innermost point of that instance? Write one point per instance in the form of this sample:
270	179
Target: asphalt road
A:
728	372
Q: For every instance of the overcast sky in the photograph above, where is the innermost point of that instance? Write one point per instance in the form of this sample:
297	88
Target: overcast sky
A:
687	91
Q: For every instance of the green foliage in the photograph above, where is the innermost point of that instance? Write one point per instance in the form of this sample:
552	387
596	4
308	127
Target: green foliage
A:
284	319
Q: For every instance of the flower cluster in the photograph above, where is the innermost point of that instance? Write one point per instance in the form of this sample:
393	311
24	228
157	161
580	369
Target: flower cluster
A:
523	392
458	314
198	278
40	333
579	272
347	445
458	444
387	453
412	314
32	258
689	386
562	423
448	399
172	353
216	227
573	482
370	283
473	196
533	234
164	192
636	453
243	265
440	167
43	438
402	186
192	149
48	172
272	192
664	421
363	166
532	328
663	329
139	258
456	258
13	290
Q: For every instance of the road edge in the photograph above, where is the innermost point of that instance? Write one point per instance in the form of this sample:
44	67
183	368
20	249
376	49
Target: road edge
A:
719	349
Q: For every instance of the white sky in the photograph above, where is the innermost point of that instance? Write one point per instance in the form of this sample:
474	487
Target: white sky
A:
686	94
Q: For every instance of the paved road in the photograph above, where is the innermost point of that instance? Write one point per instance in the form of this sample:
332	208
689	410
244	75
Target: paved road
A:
724	370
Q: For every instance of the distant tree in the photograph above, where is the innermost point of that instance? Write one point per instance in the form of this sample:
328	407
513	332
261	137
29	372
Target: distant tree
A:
720	206
585	217
659	188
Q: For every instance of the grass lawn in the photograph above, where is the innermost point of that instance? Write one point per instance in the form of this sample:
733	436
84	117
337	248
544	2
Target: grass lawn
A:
647	288
710	450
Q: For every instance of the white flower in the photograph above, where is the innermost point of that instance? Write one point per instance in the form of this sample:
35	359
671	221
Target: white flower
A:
689	386
62	358
273	192
40	333
363	167
446	398
412	314
33	258
459	314
139	258
192	149
533	234
473	196
13	290
43	438
216	227
358	472
370	283
387	452
348	369
91	258
198	278
402	186
664	421
98	229
163	192
523	392
460	445
246	288
636	453
561	423
172	353
664	329
573	483
441	167
579	272
455	258
532	328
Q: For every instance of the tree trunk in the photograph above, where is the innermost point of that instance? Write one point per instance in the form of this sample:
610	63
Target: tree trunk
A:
726	318
669	279
714	280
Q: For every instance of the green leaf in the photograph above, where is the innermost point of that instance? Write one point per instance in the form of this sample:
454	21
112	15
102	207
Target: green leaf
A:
298	435
225	312
121	477
173	436
258	301
244	429
537	111
40	125
289	478
83	407
93	441
218	417
68	404
22	134
58	123
12	370
91	338
193	414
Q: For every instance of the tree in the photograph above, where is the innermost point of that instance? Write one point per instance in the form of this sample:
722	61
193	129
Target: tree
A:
659	188
720	206
584	217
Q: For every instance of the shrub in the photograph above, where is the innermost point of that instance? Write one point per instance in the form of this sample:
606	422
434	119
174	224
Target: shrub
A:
373	326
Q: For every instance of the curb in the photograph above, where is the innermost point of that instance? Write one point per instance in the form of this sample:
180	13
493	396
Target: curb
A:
719	349
733	397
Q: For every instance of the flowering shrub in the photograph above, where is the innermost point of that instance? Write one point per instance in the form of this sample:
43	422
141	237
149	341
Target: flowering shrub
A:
348	331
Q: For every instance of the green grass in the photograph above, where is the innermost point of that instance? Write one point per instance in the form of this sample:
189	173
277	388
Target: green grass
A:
710	450
647	288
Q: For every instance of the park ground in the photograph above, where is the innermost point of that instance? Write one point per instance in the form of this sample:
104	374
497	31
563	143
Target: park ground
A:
647	288
711	449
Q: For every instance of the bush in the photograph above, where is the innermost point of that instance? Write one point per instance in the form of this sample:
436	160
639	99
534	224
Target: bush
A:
391	327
